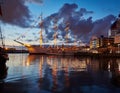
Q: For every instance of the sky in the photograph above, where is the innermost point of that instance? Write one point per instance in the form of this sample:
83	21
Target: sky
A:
85	18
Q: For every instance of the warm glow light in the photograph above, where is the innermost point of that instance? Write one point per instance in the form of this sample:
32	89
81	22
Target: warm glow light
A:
119	67
108	43
41	42
27	63
6	48
27	45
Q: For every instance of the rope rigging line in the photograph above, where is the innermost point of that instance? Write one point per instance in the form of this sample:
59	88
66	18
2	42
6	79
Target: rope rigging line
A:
35	22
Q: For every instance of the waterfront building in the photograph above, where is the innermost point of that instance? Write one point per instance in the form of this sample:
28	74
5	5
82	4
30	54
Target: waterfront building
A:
117	42
94	42
102	41
105	41
117	39
115	28
115	31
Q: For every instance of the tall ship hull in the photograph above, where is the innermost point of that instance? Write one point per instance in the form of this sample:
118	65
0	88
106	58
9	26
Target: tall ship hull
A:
36	49
55	49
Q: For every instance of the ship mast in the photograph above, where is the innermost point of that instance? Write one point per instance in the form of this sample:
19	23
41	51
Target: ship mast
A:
1	34
67	30
55	27
41	26
1	37
41	38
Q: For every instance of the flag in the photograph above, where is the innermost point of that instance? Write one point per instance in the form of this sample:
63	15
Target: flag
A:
0	11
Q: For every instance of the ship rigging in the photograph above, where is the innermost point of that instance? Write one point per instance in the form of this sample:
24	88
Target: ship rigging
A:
51	49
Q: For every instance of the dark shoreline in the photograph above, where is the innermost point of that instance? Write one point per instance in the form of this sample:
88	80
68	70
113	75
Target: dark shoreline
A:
17	51
98	54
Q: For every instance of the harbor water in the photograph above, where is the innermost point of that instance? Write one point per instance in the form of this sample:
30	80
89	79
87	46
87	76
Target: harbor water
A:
61	74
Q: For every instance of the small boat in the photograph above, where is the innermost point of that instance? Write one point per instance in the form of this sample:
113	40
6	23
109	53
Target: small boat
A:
3	68
3	56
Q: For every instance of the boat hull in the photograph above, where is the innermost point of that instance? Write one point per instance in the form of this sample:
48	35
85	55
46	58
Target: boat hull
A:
47	51
36	50
61	53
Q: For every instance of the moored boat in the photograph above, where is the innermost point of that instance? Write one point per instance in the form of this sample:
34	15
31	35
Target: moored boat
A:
54	49
3	54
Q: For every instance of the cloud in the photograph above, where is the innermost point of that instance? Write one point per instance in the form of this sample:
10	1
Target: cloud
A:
80	27
15	12
35	1
102	26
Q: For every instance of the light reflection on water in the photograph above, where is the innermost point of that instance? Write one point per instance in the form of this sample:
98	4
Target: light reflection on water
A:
65	74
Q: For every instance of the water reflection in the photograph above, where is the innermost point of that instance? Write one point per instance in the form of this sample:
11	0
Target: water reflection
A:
114	68
67	74
3	74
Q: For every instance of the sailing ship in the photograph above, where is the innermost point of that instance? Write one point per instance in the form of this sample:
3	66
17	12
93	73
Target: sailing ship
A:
51	50
36	49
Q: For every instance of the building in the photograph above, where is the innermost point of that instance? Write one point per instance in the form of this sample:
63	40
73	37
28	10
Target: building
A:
102	41
117	42
94	42
115	31
105	41
117	39
115	28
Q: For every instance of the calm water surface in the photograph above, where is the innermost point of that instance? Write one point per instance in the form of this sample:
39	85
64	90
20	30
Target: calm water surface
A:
56	74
